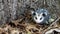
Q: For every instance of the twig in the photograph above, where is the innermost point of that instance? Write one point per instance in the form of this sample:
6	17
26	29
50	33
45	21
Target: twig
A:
54	22
51	25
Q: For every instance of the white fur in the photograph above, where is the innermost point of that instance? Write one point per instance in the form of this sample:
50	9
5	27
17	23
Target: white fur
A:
38	18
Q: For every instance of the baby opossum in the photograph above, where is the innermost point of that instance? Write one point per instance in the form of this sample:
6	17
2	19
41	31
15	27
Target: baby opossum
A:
41	16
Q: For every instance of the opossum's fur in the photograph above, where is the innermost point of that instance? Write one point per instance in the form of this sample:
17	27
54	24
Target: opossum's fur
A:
41	16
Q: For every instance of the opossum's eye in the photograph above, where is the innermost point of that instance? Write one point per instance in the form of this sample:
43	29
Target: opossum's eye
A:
34	13
35	17
40	18
44	14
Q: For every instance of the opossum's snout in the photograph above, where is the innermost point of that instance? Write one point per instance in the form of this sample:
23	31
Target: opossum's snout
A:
38	18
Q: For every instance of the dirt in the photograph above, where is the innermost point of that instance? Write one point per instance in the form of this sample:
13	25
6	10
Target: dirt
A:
16	16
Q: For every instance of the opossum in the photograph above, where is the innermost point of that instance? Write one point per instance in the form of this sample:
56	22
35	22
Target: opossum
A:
41	16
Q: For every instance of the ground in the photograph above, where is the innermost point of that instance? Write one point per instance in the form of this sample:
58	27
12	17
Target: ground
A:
15	16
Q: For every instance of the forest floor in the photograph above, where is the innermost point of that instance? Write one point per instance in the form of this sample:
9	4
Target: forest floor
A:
24	23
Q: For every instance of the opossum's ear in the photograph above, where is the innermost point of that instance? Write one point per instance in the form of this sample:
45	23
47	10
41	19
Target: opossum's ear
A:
32	12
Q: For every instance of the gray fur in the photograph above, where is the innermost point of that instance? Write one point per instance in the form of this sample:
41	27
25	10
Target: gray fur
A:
46	18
